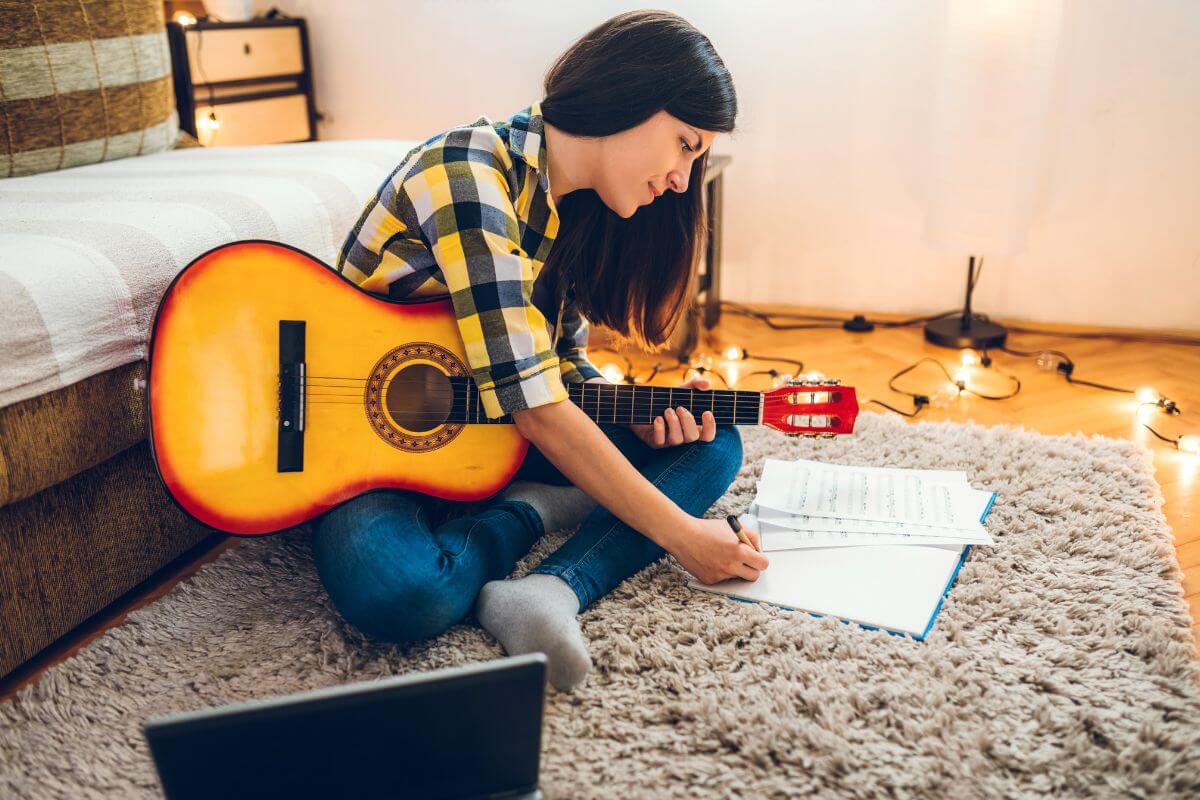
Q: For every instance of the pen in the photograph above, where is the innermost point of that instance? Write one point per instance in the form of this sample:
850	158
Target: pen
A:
737	528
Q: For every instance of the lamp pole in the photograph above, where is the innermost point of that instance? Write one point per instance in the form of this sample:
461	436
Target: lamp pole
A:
966	330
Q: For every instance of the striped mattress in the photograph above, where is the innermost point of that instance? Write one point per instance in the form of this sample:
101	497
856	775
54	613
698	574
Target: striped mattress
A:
86	253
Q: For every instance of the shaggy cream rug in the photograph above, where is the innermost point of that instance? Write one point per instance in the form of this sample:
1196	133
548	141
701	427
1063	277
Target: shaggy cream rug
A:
1061	663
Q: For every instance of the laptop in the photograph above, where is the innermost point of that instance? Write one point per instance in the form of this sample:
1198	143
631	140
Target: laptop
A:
464	732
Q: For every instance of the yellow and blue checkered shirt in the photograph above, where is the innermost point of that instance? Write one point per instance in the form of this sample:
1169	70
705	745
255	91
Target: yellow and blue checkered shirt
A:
469	213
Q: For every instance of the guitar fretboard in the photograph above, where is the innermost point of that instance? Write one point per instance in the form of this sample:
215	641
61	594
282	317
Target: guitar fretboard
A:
629	403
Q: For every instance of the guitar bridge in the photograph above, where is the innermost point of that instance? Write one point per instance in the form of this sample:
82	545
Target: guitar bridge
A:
291	396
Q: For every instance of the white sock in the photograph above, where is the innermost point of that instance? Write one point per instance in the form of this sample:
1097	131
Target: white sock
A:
536	613
558	506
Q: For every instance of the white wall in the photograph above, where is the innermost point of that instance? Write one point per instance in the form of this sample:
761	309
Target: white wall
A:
825	196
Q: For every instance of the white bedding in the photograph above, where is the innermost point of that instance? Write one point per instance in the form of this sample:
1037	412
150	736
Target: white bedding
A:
86	253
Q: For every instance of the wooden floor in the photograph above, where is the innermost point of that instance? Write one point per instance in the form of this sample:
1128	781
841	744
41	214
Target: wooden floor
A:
1046	403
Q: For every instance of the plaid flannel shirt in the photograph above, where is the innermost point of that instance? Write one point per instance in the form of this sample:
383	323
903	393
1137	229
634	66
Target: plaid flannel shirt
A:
469	213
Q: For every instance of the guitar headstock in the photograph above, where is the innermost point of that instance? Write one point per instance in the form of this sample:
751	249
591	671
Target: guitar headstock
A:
811	408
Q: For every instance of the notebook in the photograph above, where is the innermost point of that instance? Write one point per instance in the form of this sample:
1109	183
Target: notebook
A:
897	588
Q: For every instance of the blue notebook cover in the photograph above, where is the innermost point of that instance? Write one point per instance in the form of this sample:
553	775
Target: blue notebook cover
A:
933	617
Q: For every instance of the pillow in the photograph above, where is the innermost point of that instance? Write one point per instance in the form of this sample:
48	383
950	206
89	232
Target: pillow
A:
83	81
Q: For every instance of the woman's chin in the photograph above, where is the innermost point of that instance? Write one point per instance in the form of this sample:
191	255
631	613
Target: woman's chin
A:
625	209
628	211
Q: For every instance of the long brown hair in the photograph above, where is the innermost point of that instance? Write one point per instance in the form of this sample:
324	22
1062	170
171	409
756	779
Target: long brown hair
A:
636	276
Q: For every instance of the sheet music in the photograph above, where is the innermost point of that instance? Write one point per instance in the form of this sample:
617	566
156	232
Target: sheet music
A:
775	537
814	489
804	522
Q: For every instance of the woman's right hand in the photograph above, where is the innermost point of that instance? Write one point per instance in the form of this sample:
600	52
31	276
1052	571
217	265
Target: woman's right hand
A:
711	551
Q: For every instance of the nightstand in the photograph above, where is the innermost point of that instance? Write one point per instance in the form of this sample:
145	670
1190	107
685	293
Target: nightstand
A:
253	77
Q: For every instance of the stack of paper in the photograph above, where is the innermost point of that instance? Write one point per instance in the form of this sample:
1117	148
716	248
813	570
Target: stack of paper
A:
880	547
803	504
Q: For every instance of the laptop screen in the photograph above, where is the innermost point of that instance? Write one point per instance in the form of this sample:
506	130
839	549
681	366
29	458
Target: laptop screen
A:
462	732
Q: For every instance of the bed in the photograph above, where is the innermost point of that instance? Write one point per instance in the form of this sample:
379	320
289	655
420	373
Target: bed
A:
85	255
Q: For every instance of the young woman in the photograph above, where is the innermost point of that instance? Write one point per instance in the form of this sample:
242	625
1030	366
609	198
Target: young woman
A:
585	205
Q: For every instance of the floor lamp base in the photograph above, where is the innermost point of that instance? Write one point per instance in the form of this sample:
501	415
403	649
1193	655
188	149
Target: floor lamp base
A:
977	334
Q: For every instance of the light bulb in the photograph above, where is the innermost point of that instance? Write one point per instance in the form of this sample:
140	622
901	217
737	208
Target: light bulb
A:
1146	394
782	379
184	18
733	353
961	375
702	360
1047	361
969	359
208	121
945	396
815	375
1189	443
612	373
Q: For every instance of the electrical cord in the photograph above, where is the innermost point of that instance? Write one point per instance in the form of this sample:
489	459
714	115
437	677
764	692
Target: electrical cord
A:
203	77
856	324
961	384
919	402
1063	363
859	323
1067	367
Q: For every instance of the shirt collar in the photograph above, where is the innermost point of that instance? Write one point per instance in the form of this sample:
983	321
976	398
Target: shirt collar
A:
527	139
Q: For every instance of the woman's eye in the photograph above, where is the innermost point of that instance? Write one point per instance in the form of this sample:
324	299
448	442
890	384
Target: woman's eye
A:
686	146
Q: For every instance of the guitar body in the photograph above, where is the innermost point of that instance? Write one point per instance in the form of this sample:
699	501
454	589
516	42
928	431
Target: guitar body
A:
272	397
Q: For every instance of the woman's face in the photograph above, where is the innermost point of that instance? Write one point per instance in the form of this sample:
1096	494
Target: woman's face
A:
648	160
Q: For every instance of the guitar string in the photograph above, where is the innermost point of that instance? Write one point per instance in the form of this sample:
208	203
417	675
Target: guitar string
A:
748	417
728	395
721	400
719	397
457	380
739	414
698	397
607	401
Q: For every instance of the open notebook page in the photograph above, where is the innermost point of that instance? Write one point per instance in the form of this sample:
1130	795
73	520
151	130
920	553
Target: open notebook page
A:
897	587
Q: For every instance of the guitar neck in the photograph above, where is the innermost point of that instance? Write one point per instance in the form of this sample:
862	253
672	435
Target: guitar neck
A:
634	404
639	404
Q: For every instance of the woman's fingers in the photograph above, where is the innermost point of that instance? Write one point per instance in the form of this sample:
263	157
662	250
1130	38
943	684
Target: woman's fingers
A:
745	572
752	558
674	434
687	424
753	534
677	425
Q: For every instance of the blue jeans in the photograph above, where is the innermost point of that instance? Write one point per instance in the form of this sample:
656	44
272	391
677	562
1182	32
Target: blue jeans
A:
398	569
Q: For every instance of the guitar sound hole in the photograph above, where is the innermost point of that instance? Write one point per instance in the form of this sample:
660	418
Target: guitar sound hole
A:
419	397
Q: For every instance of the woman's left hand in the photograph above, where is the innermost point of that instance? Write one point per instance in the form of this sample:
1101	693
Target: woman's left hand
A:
676	426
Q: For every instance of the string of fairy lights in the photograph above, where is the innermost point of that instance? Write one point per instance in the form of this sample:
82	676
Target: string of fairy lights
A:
728	367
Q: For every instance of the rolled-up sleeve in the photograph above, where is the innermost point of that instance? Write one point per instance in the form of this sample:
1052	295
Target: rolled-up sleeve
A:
468	221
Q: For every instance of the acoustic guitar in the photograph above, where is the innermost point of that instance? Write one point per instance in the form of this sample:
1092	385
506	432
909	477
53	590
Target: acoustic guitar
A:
279	389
